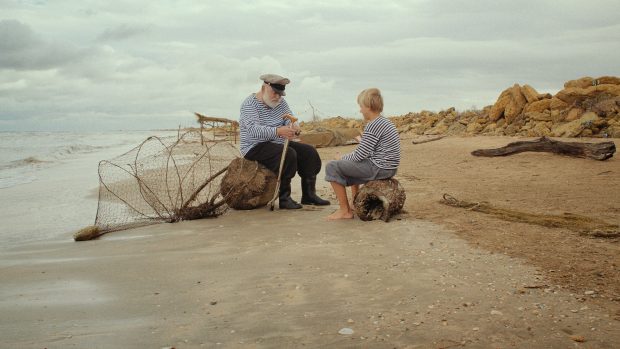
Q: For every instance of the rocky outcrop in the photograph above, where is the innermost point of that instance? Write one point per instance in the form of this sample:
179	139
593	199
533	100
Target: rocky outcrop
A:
585	107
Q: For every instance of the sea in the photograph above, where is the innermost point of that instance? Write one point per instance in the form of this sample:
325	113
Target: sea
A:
49	181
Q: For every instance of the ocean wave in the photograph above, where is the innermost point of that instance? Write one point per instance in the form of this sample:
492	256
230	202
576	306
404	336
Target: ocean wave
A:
29	161
72	149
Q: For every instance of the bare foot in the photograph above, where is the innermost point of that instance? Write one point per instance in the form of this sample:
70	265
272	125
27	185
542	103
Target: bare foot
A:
340	215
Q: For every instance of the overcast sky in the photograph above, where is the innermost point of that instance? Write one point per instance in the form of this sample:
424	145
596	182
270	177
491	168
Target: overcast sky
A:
109	65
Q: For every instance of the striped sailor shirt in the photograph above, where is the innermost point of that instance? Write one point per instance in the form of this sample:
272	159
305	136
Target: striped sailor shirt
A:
258	123
380	144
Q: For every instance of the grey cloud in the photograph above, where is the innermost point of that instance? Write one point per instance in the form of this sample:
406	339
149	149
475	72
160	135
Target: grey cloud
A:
207	56
22	49
121	32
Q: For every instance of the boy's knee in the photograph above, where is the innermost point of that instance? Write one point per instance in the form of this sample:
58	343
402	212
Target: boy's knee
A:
330	166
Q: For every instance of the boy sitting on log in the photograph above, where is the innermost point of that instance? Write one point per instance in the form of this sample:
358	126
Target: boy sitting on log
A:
376	157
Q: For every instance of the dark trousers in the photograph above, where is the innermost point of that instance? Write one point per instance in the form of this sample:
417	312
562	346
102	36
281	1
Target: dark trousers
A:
300	158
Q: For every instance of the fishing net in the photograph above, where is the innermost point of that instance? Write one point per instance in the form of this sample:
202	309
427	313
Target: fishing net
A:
164	179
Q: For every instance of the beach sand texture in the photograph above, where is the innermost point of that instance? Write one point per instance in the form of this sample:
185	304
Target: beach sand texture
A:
433	277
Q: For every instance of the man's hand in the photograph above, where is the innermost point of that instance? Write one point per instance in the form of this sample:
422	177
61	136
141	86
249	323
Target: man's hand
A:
296	127
286	132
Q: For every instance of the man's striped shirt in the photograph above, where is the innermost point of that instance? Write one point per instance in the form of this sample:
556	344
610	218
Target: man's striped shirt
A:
380	143
258	122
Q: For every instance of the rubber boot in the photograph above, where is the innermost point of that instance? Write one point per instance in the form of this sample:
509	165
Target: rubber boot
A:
308	192
285	201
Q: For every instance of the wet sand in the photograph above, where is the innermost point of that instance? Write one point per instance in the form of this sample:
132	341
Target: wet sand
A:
289	279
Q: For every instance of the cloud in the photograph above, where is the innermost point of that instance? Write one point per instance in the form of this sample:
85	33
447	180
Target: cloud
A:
142	64
121	32
22	49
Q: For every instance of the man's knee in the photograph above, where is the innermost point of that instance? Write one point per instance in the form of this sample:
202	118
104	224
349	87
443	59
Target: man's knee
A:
308	159
290	163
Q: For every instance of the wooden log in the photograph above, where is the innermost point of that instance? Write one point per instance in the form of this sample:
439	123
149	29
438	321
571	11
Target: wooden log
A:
379	199
597	151
427	139
247	185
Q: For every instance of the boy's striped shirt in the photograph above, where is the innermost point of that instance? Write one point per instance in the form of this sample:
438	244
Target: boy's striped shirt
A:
380	143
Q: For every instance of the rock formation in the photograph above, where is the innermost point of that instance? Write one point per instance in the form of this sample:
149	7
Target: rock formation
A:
585	107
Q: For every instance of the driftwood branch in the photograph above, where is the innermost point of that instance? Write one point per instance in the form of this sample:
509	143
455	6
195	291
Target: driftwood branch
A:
596	151
426	139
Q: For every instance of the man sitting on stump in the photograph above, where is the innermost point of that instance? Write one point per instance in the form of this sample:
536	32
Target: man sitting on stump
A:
263	128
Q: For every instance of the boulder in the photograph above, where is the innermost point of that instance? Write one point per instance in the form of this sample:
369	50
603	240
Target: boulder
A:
576	95
529	93
497	111
474	128
538	106
581	83
557	104
573	114
607	107
575	127
539	130
456	129
613	80
612	131
516	104
440	128
490	128
538	116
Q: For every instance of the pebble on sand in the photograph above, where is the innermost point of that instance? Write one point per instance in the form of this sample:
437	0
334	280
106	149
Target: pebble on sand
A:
345	331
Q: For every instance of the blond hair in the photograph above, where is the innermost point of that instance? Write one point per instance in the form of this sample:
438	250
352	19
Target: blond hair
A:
371	98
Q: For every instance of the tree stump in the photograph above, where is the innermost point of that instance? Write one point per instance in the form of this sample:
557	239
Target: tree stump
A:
247	185
597	151
379	199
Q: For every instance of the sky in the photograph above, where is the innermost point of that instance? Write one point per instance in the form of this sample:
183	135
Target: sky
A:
69	65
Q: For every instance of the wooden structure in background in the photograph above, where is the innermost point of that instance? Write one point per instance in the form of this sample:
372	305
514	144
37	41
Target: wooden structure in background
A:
229	126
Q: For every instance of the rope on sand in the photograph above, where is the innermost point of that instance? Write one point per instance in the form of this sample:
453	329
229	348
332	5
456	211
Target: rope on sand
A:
586	226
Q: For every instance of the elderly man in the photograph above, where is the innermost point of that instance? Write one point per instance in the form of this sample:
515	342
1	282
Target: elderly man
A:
264	128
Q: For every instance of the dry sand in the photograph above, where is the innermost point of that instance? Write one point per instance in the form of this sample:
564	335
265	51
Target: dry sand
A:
434	277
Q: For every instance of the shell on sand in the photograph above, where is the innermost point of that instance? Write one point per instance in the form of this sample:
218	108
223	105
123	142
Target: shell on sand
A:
247	185
379	199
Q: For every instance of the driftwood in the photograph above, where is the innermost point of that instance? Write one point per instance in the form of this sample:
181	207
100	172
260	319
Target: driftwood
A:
247	184
379	199
596	151
581	224
426	139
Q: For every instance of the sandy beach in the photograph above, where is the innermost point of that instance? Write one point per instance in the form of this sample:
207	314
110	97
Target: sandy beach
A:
433	277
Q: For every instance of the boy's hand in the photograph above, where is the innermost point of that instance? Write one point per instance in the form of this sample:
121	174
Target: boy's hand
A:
337	156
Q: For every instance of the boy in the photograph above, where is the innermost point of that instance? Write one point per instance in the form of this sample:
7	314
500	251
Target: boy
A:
376	157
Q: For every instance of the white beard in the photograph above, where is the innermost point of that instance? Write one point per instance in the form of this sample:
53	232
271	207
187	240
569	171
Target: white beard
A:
271	104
